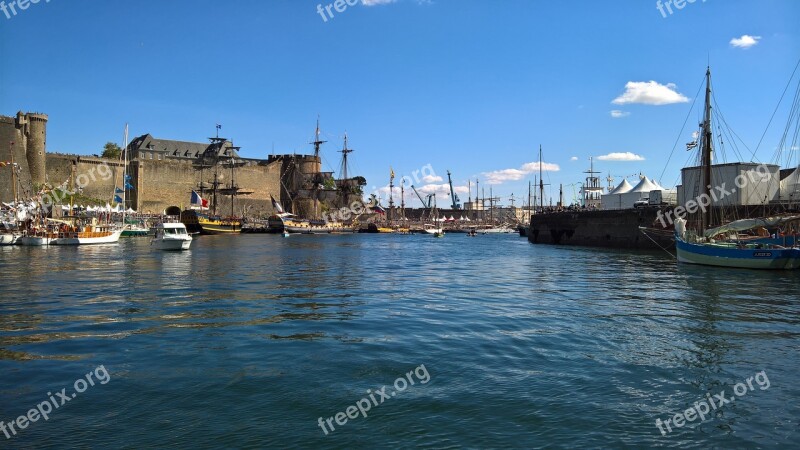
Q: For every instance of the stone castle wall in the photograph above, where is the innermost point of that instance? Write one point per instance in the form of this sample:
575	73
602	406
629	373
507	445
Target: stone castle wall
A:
16	130
96	176
160	184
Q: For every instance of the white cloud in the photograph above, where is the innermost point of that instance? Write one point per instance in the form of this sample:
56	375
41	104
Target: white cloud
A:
745	42
501	176
617	114
627	156
574	158
429	179
649	93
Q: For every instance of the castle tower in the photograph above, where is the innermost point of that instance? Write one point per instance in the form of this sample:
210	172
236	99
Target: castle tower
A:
36	134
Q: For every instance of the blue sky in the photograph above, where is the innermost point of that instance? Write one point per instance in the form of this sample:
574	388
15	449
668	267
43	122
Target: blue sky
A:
469	86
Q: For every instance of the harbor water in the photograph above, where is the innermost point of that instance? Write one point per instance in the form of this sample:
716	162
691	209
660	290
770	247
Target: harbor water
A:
248	341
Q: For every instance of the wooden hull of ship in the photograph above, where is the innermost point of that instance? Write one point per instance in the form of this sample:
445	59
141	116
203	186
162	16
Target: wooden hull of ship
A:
301	226
213	228
729	255
201	224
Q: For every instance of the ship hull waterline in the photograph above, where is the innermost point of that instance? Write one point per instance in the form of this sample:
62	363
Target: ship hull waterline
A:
727	256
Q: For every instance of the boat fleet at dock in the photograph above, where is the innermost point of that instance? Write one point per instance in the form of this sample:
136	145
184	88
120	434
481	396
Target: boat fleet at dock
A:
769	241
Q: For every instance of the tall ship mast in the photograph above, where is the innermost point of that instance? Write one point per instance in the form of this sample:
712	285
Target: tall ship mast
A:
221	154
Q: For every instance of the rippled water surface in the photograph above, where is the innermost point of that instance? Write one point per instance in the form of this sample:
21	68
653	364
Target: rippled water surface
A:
246	341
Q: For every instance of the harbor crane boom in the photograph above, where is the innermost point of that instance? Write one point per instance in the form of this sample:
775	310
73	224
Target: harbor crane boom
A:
424	203
453	196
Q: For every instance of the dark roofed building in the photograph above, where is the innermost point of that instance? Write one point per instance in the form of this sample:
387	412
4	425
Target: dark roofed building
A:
147	147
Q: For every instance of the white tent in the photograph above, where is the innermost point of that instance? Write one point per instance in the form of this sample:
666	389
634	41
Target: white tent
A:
623	188
130	211
639	192
790	187
647	185
613	200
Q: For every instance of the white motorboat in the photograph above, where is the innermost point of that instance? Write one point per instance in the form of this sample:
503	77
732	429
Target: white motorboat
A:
171	236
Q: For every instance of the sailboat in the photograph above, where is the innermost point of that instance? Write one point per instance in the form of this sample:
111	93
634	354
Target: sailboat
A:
284	222
198	221
715	245
8	228
436	229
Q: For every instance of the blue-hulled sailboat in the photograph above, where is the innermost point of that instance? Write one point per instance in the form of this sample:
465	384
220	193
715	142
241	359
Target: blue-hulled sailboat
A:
720	246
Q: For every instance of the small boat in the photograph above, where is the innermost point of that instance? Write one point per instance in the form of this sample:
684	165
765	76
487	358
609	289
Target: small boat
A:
89	234
9	238
286	234
438	234
499	230
135	230
171	236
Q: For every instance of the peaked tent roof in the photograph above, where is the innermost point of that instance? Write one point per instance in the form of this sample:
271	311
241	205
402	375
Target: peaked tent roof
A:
622	188
647	185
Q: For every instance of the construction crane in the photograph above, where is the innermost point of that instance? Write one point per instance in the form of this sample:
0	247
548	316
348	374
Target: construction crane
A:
425	203
453	196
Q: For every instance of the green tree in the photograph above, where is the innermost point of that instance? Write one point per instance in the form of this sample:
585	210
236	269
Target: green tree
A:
111	151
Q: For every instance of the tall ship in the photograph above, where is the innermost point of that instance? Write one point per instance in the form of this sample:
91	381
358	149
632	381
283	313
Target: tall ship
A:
314	199
205	216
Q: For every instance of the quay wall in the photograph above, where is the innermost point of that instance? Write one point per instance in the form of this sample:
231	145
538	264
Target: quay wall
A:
611	229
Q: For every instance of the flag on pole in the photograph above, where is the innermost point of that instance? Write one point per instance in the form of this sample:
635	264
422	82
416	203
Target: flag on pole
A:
118	199
128	184
199	201
119	191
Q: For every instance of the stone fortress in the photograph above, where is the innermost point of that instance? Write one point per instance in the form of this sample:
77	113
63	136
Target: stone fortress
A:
23	140
164	173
